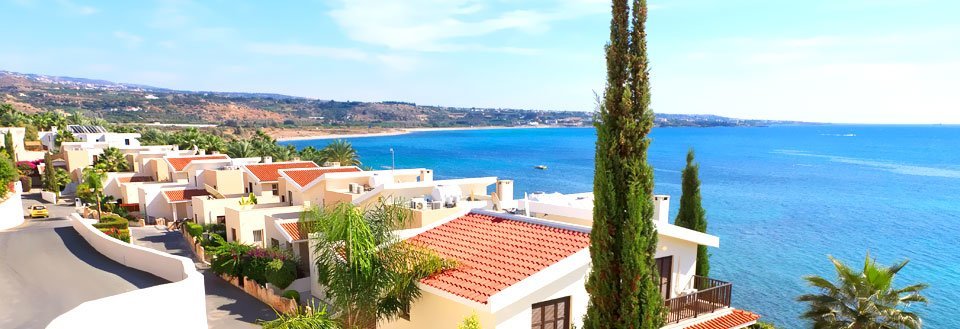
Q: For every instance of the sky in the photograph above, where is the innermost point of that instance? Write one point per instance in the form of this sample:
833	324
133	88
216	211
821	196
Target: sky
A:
846	61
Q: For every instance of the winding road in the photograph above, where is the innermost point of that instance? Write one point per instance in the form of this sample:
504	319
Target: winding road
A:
47	269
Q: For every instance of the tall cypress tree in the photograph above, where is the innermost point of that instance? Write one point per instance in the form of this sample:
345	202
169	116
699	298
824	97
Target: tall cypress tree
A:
622	281
691	213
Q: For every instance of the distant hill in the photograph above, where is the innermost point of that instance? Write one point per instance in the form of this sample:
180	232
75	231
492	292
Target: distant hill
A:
122	102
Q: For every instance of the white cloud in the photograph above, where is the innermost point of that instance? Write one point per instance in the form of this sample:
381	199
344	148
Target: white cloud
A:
132	40
443	25
76	8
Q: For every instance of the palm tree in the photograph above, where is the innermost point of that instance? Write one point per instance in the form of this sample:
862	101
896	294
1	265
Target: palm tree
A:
240	149
369	274
112	160
340	151
93	184
863	300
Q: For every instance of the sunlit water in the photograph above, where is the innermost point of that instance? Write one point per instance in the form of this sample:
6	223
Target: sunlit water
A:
780	198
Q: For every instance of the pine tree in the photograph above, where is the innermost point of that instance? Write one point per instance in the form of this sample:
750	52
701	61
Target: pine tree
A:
621	283
8	145
691	214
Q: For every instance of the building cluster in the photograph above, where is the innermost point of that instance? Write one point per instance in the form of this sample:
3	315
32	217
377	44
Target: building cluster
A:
521	262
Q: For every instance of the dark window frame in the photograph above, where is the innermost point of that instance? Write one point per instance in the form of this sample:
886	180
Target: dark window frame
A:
551	303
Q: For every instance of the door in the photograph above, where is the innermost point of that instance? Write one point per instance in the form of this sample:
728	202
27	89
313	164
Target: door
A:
304	249
551	314
664	266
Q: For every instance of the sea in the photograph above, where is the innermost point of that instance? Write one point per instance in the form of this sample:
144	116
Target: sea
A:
780	198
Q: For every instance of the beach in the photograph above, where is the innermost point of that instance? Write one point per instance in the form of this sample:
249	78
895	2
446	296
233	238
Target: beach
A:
287	135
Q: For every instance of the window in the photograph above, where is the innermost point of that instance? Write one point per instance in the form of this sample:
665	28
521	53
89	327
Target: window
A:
222	220
290	197
249	187
126	142
283	198
258	236
275	187
274	243
552	314
233	235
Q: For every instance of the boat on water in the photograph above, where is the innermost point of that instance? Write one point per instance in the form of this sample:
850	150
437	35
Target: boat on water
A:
541	167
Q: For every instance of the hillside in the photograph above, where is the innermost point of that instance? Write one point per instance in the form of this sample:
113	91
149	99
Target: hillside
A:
121	102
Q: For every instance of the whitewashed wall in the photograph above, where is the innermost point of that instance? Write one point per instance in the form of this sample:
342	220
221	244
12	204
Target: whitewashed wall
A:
183	300
11	209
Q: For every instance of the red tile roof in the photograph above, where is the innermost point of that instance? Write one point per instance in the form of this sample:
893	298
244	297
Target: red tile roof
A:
296	230
494	253
181	162
183	195
736	319
304	177
135	179
269	172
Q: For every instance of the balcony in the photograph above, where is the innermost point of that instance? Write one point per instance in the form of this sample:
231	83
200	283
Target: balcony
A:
711	295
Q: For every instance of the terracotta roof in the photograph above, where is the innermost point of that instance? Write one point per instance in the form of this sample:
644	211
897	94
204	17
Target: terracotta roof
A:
181	162
304	177
135	179
269	172
736	319
494	253
183	195
296	230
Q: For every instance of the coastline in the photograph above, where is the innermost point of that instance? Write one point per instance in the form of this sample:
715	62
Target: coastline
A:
404	131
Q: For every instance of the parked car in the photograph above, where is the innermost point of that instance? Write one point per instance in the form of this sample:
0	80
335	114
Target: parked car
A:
39	212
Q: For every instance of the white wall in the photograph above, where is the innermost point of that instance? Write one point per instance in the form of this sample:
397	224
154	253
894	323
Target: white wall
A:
183	300
152	203
11	209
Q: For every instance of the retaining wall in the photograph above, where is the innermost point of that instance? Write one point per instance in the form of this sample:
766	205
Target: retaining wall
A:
11	209
178	304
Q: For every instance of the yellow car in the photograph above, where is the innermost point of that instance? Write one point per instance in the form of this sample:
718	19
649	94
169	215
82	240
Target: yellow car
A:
39	212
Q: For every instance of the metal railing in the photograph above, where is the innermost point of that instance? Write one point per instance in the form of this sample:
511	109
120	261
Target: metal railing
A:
711	295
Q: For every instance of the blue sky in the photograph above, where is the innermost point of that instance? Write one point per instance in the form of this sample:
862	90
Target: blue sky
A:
874	61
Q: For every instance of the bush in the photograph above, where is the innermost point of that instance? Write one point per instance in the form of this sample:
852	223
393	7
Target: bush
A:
112	221
292	294
195	230
228	257
119	234
281	273
255	265
762	325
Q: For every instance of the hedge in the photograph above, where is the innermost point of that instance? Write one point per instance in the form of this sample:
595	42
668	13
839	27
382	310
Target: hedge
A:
281	273
112	221
119	234
195	230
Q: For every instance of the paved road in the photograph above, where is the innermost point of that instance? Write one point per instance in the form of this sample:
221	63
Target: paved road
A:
47	269
227	306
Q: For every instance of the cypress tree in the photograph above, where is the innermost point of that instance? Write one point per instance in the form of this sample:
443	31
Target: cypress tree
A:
8	145
691	214
622	281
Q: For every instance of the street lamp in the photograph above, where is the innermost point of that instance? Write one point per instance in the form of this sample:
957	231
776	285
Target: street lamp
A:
393	161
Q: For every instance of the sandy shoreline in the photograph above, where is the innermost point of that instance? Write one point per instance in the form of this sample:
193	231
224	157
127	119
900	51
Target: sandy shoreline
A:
400	132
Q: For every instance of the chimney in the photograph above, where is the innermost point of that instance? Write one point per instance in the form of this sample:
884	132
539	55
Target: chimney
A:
505	190
426	175
661	208
267	159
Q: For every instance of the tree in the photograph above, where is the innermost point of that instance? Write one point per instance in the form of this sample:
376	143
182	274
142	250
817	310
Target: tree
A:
49	175
622	281
471	322
303	318
369	274
340	151
240	149
92	187
691	214
8	174
8	145
865	299
112	160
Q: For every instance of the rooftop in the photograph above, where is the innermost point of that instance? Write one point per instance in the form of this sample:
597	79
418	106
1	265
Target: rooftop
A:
135	179
269	172
179	163
183	195
736	319
494	253
304	177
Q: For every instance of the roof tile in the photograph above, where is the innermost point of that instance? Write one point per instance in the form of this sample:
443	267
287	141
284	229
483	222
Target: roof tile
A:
183	195
179	163
736	319
305	177
493	253
269	172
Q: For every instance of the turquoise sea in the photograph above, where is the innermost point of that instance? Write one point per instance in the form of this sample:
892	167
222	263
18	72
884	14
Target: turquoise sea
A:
780	198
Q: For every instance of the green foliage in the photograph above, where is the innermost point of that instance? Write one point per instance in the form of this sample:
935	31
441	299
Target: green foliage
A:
305	318
8	145
257	259
8	174
30	133
863	299
249	200
621	283
112	160
691	214
292	294
339	151
112	221
471	322
91	189
228	256
281	273
762	325
195	230
370	275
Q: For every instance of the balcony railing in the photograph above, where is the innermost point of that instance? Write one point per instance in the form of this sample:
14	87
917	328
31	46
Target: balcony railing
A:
711	295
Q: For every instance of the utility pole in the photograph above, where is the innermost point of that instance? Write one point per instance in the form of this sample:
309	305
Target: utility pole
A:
393	161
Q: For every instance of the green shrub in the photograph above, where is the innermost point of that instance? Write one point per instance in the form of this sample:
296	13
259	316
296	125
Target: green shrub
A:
471	322
228	257
119	234
281	273
112	221
762	325
292	294
195	230
255	264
